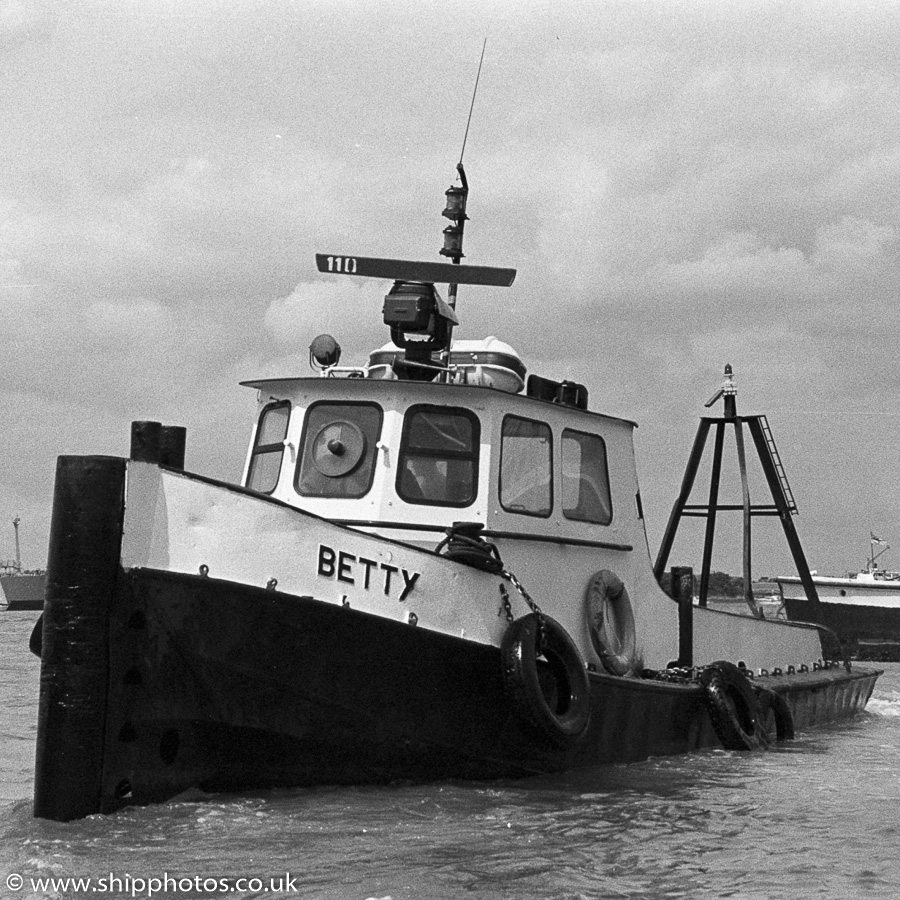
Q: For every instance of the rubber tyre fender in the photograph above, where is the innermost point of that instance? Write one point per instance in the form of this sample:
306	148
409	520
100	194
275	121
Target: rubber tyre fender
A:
732	706
565	718
36	641
610	621
767	700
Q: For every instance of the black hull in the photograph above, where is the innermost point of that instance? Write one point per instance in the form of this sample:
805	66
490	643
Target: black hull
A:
227	687
154	682
855	626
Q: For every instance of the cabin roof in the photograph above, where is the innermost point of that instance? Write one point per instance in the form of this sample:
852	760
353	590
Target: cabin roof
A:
285	388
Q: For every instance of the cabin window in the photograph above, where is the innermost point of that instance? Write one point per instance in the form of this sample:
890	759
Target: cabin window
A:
268	448
586	495
526	465
438	460
338	449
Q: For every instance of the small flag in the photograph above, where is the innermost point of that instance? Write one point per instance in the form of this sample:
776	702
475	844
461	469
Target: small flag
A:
877	540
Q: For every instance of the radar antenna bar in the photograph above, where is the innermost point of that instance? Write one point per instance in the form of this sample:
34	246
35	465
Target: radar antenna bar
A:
410	270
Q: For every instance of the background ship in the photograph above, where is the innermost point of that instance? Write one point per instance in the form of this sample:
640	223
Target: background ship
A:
22	588
862	608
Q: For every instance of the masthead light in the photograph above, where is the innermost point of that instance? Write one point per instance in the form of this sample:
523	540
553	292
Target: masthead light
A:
456	203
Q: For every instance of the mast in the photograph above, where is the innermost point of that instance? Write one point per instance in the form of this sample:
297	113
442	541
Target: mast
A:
873	556
18	553
455	210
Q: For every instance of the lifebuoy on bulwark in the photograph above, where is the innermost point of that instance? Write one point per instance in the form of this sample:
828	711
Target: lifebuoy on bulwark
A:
773	706
545	678
731	703
611	622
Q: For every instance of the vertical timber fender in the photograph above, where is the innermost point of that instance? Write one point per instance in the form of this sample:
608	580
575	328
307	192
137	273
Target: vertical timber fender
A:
546	679
82	567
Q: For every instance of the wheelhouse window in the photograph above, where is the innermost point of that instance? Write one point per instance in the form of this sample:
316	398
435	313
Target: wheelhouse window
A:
586	494
268	448
338	449
526	466
438	459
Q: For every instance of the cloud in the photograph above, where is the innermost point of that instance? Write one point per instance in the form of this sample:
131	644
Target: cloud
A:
853	243
347	308
21	22
678	188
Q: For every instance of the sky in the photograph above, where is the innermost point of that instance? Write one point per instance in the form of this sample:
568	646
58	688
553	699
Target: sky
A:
679	185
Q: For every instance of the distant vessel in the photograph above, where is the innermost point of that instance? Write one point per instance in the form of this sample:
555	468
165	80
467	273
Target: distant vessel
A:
860	607
22	589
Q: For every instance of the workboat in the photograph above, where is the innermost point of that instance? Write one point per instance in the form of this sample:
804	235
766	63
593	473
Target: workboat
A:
20	588
862	608
435	566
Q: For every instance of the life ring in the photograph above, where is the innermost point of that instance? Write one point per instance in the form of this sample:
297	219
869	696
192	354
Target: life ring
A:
611	623
771	702
552	693
732	707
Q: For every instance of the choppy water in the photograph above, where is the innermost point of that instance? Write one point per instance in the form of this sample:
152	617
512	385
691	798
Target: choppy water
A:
816	818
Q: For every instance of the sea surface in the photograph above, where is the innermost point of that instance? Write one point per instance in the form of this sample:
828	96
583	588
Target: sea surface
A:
818	817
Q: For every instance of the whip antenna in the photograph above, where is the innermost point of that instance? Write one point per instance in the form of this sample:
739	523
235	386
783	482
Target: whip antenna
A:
472	106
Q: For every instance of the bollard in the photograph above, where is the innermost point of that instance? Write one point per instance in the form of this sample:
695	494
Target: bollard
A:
172	441
145	442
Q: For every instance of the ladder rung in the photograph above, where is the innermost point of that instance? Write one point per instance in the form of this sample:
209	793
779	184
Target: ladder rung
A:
779	468
703	511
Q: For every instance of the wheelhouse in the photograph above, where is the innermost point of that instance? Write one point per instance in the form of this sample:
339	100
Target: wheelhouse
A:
415	457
